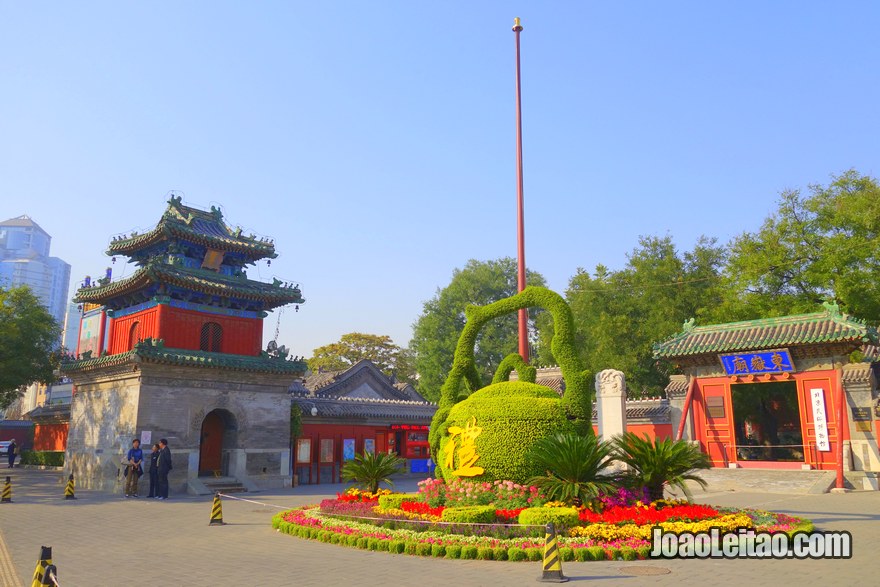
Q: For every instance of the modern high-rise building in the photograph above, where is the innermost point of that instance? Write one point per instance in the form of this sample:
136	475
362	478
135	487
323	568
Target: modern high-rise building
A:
25	260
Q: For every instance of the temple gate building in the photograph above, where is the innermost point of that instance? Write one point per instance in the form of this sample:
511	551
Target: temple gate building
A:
790	392
175	351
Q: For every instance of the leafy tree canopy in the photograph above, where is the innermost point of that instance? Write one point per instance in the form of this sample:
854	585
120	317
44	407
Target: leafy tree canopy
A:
29	342
356	346
436	331
619	315
823	245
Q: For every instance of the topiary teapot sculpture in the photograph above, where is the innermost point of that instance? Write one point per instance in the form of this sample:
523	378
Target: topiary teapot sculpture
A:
487	435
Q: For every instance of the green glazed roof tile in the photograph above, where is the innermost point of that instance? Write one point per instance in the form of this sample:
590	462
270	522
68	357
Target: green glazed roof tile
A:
826	327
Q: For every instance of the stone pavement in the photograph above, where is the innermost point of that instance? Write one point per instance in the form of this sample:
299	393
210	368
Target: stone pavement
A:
106	540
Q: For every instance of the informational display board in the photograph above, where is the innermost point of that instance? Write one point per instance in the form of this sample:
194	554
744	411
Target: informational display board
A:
820	420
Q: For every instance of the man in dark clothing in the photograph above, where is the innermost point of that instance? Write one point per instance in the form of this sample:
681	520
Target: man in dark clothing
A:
10	453
154	471
164	466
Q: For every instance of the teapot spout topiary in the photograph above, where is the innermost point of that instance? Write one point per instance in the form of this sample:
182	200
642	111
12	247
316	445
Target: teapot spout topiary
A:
488	434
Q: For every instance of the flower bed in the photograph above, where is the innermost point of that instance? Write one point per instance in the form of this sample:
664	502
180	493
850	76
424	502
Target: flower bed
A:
619	530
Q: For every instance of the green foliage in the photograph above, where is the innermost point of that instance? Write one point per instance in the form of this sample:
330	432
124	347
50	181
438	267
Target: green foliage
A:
619	315
29	342
295	421
535	554
409	547
824	245
515	553
485	553
423	548
512	362
369	470
453	551
655	464
562	518
628	553
394	500
499	553
469	552
575	467
469	514
513	416
597	553
356	346
396	546
437	330
47	458
566	553
644	552
438	550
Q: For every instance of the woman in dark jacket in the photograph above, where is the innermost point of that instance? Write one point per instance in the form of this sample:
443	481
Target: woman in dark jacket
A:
154	471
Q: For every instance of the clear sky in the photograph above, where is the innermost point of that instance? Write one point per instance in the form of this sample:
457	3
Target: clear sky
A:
375	141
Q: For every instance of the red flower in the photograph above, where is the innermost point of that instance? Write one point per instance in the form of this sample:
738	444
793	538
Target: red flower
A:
641	515
508	515
418	507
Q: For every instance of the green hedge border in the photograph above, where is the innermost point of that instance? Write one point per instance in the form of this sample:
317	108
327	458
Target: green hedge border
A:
471	551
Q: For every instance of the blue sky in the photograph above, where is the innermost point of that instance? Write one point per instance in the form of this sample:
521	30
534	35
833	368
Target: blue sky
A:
375	142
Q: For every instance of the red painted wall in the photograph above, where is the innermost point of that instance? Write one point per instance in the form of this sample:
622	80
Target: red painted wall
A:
182	329
653	431
50	436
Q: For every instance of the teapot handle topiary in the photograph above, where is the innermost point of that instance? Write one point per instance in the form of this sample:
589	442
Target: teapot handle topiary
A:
576	398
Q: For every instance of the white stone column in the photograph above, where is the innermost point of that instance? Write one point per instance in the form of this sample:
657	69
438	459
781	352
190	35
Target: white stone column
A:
611	403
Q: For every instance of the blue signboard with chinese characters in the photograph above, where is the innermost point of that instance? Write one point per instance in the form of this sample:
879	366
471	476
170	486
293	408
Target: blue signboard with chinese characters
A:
775	361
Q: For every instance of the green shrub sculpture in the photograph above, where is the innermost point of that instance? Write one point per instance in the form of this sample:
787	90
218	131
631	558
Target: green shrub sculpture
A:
499	424
469	514
562	518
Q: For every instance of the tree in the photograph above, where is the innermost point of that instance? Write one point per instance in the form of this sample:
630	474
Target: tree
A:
824	246
356	346
436	331
619	315
577	467
29	342
659	463
370	469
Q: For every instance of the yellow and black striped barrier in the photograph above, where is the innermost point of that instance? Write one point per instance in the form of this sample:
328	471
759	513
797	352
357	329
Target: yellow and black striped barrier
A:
216	512
50	576
7	491
44	563
552	563
68	491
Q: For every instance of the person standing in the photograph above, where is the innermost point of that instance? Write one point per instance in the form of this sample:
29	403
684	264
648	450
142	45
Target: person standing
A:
154	471
135	458
11	451
164	467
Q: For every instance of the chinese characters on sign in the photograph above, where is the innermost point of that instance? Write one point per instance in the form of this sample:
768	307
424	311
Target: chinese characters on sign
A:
462	441
776	361
820	423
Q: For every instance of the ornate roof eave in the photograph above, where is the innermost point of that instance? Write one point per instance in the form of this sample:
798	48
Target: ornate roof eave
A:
155	351
804	334
202	280
165	229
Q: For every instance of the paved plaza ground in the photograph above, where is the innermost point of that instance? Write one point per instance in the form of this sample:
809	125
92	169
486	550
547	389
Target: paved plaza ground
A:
105	540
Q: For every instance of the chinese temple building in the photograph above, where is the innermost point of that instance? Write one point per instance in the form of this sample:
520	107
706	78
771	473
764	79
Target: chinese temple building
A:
356	410
795	392
175	351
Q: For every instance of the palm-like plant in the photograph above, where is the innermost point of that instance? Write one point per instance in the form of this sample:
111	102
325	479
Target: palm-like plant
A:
368	469
654	465
575	467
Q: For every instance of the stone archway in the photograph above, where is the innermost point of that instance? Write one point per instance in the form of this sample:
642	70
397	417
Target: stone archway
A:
219	434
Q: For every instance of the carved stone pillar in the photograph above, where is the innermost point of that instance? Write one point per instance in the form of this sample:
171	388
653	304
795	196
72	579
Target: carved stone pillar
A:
611	403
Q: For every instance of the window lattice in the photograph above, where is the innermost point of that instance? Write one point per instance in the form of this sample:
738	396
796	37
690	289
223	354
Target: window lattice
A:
212	336
134	335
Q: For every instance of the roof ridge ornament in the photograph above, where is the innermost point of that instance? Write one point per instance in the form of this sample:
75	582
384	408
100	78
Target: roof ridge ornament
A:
688	325
831	308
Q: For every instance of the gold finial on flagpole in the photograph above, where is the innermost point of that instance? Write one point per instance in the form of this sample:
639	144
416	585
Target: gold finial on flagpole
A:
516	25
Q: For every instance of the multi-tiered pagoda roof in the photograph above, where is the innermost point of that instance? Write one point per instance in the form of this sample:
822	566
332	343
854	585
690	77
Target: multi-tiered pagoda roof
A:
192	256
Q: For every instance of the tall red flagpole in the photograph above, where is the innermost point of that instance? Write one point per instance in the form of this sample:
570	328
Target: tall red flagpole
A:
521	236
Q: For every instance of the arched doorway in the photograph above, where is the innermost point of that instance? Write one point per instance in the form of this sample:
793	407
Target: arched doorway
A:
219	432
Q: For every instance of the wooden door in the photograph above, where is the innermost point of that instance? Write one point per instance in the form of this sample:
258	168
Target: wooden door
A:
713	419
211	446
